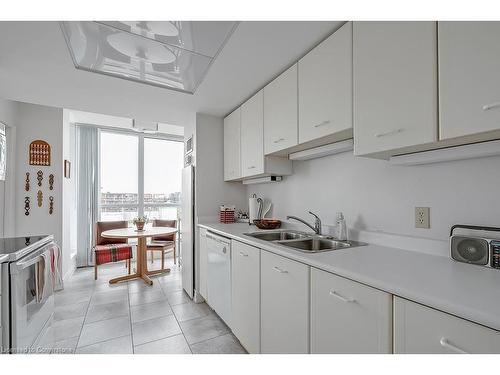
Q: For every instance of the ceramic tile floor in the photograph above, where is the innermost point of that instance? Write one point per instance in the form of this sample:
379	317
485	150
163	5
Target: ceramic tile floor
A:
95	317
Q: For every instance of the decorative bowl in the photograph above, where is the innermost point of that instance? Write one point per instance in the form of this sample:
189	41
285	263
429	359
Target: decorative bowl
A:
267	223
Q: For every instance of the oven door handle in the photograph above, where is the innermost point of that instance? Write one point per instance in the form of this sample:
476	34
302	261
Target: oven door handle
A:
23	265
29	262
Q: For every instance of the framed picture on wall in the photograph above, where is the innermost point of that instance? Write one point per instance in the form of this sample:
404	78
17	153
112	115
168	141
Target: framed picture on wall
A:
3	152
67	168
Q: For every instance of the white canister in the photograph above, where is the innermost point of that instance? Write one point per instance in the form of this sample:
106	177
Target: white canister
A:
253	208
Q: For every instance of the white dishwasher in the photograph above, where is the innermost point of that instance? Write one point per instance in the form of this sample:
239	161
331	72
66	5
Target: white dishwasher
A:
219	275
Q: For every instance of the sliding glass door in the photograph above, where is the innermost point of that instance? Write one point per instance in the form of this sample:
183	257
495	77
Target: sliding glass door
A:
163	163
139	175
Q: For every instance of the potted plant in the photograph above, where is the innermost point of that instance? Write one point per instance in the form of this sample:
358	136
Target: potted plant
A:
139	222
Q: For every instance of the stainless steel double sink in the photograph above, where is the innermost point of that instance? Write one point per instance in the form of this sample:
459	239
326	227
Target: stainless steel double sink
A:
302	241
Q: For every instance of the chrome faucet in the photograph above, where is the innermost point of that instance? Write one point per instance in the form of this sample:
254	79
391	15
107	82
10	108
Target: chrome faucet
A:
317	222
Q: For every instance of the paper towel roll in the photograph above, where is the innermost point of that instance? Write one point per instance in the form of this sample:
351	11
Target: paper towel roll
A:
253	209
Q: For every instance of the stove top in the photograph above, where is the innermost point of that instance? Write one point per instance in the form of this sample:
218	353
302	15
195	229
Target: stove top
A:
16	247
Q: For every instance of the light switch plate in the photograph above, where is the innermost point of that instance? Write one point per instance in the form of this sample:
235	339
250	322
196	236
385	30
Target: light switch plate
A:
422	217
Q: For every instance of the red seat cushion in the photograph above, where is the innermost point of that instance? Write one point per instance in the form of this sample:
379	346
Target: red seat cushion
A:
112	253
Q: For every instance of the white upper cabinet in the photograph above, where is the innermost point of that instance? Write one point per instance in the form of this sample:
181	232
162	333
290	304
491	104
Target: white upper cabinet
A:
395	85
469	78
232	132
252	135
348	317
325	87
280	112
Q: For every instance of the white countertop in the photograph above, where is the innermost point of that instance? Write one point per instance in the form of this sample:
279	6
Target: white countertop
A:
468	291
3	257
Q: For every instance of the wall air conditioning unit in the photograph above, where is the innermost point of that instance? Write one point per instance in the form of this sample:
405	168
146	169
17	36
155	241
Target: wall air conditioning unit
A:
144	126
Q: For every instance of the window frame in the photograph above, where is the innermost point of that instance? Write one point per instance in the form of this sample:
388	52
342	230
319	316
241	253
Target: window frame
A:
140	167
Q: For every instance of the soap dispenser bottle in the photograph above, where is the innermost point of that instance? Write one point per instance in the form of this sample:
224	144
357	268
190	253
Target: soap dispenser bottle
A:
341	229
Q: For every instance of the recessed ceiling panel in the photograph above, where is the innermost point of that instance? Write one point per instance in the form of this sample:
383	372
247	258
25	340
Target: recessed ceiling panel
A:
174	55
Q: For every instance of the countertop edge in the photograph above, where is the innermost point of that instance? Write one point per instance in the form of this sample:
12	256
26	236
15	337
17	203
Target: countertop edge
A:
488	320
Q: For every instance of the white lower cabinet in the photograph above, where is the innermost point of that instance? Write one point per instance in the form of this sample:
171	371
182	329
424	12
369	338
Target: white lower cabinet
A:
348	317
203	264
245	270
284	315
420	329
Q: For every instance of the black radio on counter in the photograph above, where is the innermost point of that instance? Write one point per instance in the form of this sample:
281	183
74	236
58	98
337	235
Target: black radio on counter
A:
483	251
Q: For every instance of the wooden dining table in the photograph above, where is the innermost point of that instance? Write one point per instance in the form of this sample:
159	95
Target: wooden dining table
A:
141	271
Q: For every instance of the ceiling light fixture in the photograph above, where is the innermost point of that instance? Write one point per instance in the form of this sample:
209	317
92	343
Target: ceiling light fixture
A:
170	54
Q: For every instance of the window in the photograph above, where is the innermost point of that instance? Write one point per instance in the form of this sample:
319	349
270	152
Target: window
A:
139	176
163	163
119	173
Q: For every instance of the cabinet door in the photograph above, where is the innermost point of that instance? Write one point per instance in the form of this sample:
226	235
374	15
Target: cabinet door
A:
348	317
420	329
395	85
245	269
325	87
203	264
232	132
280	112
252	135
284	305
469	78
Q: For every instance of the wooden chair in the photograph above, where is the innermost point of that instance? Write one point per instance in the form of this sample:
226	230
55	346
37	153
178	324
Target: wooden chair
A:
107	250
163	243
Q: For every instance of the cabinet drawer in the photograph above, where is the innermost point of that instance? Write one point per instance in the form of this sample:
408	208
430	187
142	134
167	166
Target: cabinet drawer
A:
284	305
245	281
348	317
420	329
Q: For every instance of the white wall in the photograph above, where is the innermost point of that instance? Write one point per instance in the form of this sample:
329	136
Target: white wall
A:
46	123
68	203
378	197
211	190
7	116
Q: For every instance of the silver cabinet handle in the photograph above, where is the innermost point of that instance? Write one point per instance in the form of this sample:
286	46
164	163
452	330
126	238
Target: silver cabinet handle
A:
446	344
251	167
243	254
491	106
279	140
392	132
341	297
323	123
277	269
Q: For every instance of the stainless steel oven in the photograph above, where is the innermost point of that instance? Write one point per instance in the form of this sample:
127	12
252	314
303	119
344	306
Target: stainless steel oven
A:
26	313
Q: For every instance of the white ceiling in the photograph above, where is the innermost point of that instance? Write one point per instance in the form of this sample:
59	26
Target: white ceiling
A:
35	67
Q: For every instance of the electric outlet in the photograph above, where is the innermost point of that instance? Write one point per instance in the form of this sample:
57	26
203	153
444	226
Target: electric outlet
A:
422	217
